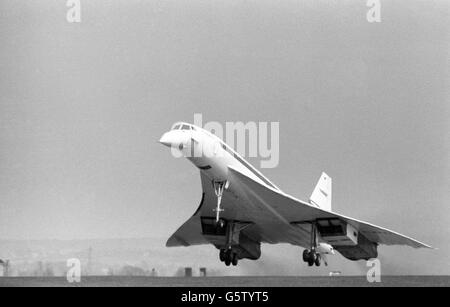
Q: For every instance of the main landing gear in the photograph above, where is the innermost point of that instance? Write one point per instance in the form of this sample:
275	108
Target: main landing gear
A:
227	253
230	250
311	256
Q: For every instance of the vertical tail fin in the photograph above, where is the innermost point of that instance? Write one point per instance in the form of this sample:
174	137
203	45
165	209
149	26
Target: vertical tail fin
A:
321	196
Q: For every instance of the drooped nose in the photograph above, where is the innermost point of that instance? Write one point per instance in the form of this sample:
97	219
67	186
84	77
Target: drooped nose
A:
167	139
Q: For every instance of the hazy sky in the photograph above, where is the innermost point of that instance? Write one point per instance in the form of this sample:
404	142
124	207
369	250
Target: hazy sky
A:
83	105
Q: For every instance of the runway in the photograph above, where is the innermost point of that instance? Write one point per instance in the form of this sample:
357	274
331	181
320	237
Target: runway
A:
247	281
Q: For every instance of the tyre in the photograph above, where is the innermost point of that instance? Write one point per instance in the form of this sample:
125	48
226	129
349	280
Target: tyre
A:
312	258
317	261
228	257
305	255
222	255
234	259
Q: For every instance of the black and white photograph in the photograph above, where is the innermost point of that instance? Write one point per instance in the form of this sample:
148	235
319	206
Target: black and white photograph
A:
227	146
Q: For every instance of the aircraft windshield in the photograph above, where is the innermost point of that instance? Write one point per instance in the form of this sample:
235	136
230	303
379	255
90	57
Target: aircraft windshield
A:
182	126
186	127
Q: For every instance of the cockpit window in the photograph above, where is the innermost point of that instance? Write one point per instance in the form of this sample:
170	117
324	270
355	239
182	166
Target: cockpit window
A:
186	127
176	127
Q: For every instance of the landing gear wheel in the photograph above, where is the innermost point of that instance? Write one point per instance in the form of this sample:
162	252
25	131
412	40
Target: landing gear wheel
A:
222	255
228	257
317	261
234	259
305	255
312	258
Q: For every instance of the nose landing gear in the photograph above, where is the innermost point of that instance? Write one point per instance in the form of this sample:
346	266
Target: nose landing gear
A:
219	187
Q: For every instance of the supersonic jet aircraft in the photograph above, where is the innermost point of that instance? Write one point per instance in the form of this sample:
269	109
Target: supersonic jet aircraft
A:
240	209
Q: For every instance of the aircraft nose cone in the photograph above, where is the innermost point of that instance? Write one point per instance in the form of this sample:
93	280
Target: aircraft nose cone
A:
165	140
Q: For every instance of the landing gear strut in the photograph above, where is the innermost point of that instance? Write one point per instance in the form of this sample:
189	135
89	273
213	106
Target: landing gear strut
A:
219	186
311	256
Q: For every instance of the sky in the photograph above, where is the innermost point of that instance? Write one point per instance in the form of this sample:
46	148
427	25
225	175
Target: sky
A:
83	105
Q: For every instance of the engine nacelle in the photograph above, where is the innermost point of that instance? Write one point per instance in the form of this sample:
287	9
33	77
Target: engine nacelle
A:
346	239
337	232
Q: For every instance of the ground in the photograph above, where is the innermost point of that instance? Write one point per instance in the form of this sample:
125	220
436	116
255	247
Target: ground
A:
247	281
